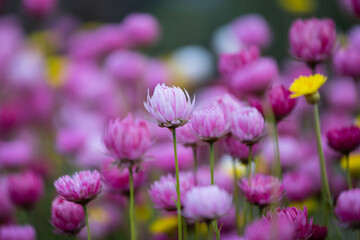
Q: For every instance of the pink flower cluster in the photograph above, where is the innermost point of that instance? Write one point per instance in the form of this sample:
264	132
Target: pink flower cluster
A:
80	188
262	190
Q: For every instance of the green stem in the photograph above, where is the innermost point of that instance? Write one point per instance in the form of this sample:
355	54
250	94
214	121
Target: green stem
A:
236	198
212	162
196	230
327	196
216	229
261	210
249	165
132	205
250	212
195	161
277	152
87	221
348	175
185	229
210	234
250	209
246	209
178	205
212	183
75	237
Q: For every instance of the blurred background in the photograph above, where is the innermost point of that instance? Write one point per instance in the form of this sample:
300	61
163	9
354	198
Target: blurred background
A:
194	22
66	67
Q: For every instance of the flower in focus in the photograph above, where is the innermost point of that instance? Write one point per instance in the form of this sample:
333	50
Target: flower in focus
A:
248	125
281	103
298	218
264	190
347	208
209	123
25	189
345	139
82	187
169	107
67	217
17	232
127	139
307	85
312	40
275	229
206	203
163	192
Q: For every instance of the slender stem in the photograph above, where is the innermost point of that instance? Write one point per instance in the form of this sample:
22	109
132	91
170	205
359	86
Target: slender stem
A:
212	183
196	230
185	229
348	175
261	210
87	221
277	152
75	237
327	196
210	234
195	161
250	212
178	205
246	209
236	198
212	162
216	229
249	165
250	209
312	66
132	205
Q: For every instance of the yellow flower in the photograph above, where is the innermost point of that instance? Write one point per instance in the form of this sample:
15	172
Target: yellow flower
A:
298	6
354	163
164	224
310	203
304	85
357	121
56	67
